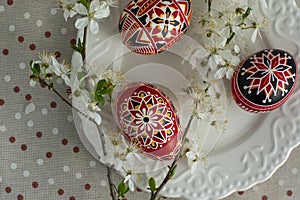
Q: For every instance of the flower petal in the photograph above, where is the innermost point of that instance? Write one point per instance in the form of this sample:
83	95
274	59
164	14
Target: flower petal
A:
94	5
81	9
94	27
212	64
103	11
32	82
72	13
131	185
97	118
254	35
66	14
220	73
229	73
81	23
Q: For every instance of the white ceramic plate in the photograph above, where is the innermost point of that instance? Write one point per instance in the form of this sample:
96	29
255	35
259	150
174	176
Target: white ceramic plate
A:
254	146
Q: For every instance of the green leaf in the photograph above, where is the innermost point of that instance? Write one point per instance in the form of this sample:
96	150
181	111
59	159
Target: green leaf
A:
152	184
101	84
122	189
79	47
247	13
84	2
100	100
172	171
35	68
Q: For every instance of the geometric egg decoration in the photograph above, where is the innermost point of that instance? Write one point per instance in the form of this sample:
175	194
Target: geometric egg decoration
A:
147	118
152	26
264	80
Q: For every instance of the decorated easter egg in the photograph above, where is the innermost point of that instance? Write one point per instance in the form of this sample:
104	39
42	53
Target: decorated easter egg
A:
264	80
152	26
148	120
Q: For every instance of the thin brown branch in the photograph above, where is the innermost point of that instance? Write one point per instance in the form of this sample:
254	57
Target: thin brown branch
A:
173	165
209	2
83	54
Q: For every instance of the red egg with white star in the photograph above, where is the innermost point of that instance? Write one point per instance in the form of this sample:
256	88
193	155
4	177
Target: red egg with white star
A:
152	26
264	80
148	119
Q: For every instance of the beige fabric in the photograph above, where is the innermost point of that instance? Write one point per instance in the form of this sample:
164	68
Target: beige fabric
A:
41	155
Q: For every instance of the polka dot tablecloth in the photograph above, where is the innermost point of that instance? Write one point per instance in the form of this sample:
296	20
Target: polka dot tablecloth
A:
41	155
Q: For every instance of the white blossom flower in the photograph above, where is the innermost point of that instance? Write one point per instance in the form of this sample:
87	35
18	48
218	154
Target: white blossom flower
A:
60	69
227	70
130	181
68	7
113	3
196	160
116	151
32	82
258	26
96	10
90	108
114	77
215	46
45	58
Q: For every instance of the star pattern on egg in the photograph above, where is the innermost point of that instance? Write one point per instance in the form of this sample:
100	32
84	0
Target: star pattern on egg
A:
269	73
147	118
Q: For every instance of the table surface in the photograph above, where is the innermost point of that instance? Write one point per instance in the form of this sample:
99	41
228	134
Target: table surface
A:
41	155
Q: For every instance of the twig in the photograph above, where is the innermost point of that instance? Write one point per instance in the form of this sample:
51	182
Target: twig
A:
111	185
209	2
174	163
83	54
108	169
51	88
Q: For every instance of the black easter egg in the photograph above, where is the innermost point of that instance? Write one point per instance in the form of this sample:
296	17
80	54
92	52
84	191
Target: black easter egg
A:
264	80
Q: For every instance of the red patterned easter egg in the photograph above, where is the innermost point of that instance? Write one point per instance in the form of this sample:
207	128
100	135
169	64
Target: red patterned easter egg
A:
264	81
148	120
152	26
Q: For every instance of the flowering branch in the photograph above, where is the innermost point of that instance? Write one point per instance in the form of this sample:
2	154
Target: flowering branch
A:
221	30
172	168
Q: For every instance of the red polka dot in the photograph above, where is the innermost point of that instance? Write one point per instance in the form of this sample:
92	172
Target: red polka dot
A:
72	198
35	184
12	139
43	85
28	97
57	54
64	142
49	155
39	134
87	186
60	192
47	34
16	89
241	192
20	197
289	193
73	42
32	47
76	149
5	52
10	2
69	91
21	38
264	197
24	147
8	189
2	102
53	104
